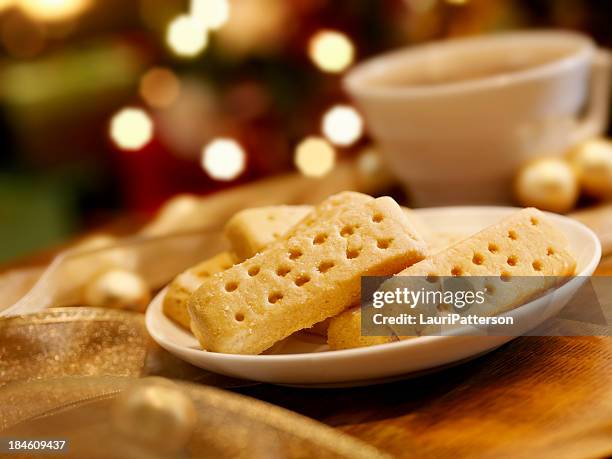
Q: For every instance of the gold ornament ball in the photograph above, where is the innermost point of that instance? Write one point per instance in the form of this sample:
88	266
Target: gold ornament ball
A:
372	173
593	163
118	289
548	184
93	255
156	414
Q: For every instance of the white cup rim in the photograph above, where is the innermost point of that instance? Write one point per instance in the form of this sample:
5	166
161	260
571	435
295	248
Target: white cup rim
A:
356	81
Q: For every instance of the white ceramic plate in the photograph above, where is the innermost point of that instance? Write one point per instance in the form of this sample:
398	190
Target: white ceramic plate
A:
305	360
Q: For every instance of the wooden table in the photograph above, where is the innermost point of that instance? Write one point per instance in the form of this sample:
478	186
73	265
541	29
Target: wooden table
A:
536	397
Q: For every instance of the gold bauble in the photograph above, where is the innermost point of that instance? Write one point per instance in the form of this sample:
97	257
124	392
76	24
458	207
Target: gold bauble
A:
82	263
156	414
548	184
119	289
593	163
372	173
93	255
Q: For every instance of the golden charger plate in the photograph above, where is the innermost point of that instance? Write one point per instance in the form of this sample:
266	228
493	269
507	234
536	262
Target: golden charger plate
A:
76	374
115	417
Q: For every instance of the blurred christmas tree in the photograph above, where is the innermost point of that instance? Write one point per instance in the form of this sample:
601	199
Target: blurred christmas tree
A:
149	98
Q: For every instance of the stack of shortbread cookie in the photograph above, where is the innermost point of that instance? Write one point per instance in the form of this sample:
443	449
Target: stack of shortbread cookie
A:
295	267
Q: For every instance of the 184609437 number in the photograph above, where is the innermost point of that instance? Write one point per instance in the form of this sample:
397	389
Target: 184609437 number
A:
14	445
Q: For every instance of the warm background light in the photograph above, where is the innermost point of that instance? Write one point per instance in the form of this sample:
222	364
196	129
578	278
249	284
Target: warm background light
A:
315	157
22	37
159	87
53	10
6	4
342	125
331	51
186	36
213	14
131	129
266	73
223	159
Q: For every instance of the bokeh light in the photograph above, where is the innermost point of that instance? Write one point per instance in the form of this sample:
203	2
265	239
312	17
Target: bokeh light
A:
186	36
331	51
342	125
131	129
223	159
457	2
159	87
53	10
315	157
213	14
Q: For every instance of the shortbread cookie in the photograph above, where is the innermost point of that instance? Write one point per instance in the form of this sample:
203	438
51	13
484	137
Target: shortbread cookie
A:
252	229
312	273
522	245
438	241
249	232
183	286
344	332
321	329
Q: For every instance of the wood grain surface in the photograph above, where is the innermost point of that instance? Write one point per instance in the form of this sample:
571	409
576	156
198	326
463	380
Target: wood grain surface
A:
536	397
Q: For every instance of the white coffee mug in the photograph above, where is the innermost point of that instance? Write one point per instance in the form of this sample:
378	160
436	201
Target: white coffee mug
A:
456	119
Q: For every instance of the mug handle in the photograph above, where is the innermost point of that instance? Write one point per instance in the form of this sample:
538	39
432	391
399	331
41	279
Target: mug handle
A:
596	117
